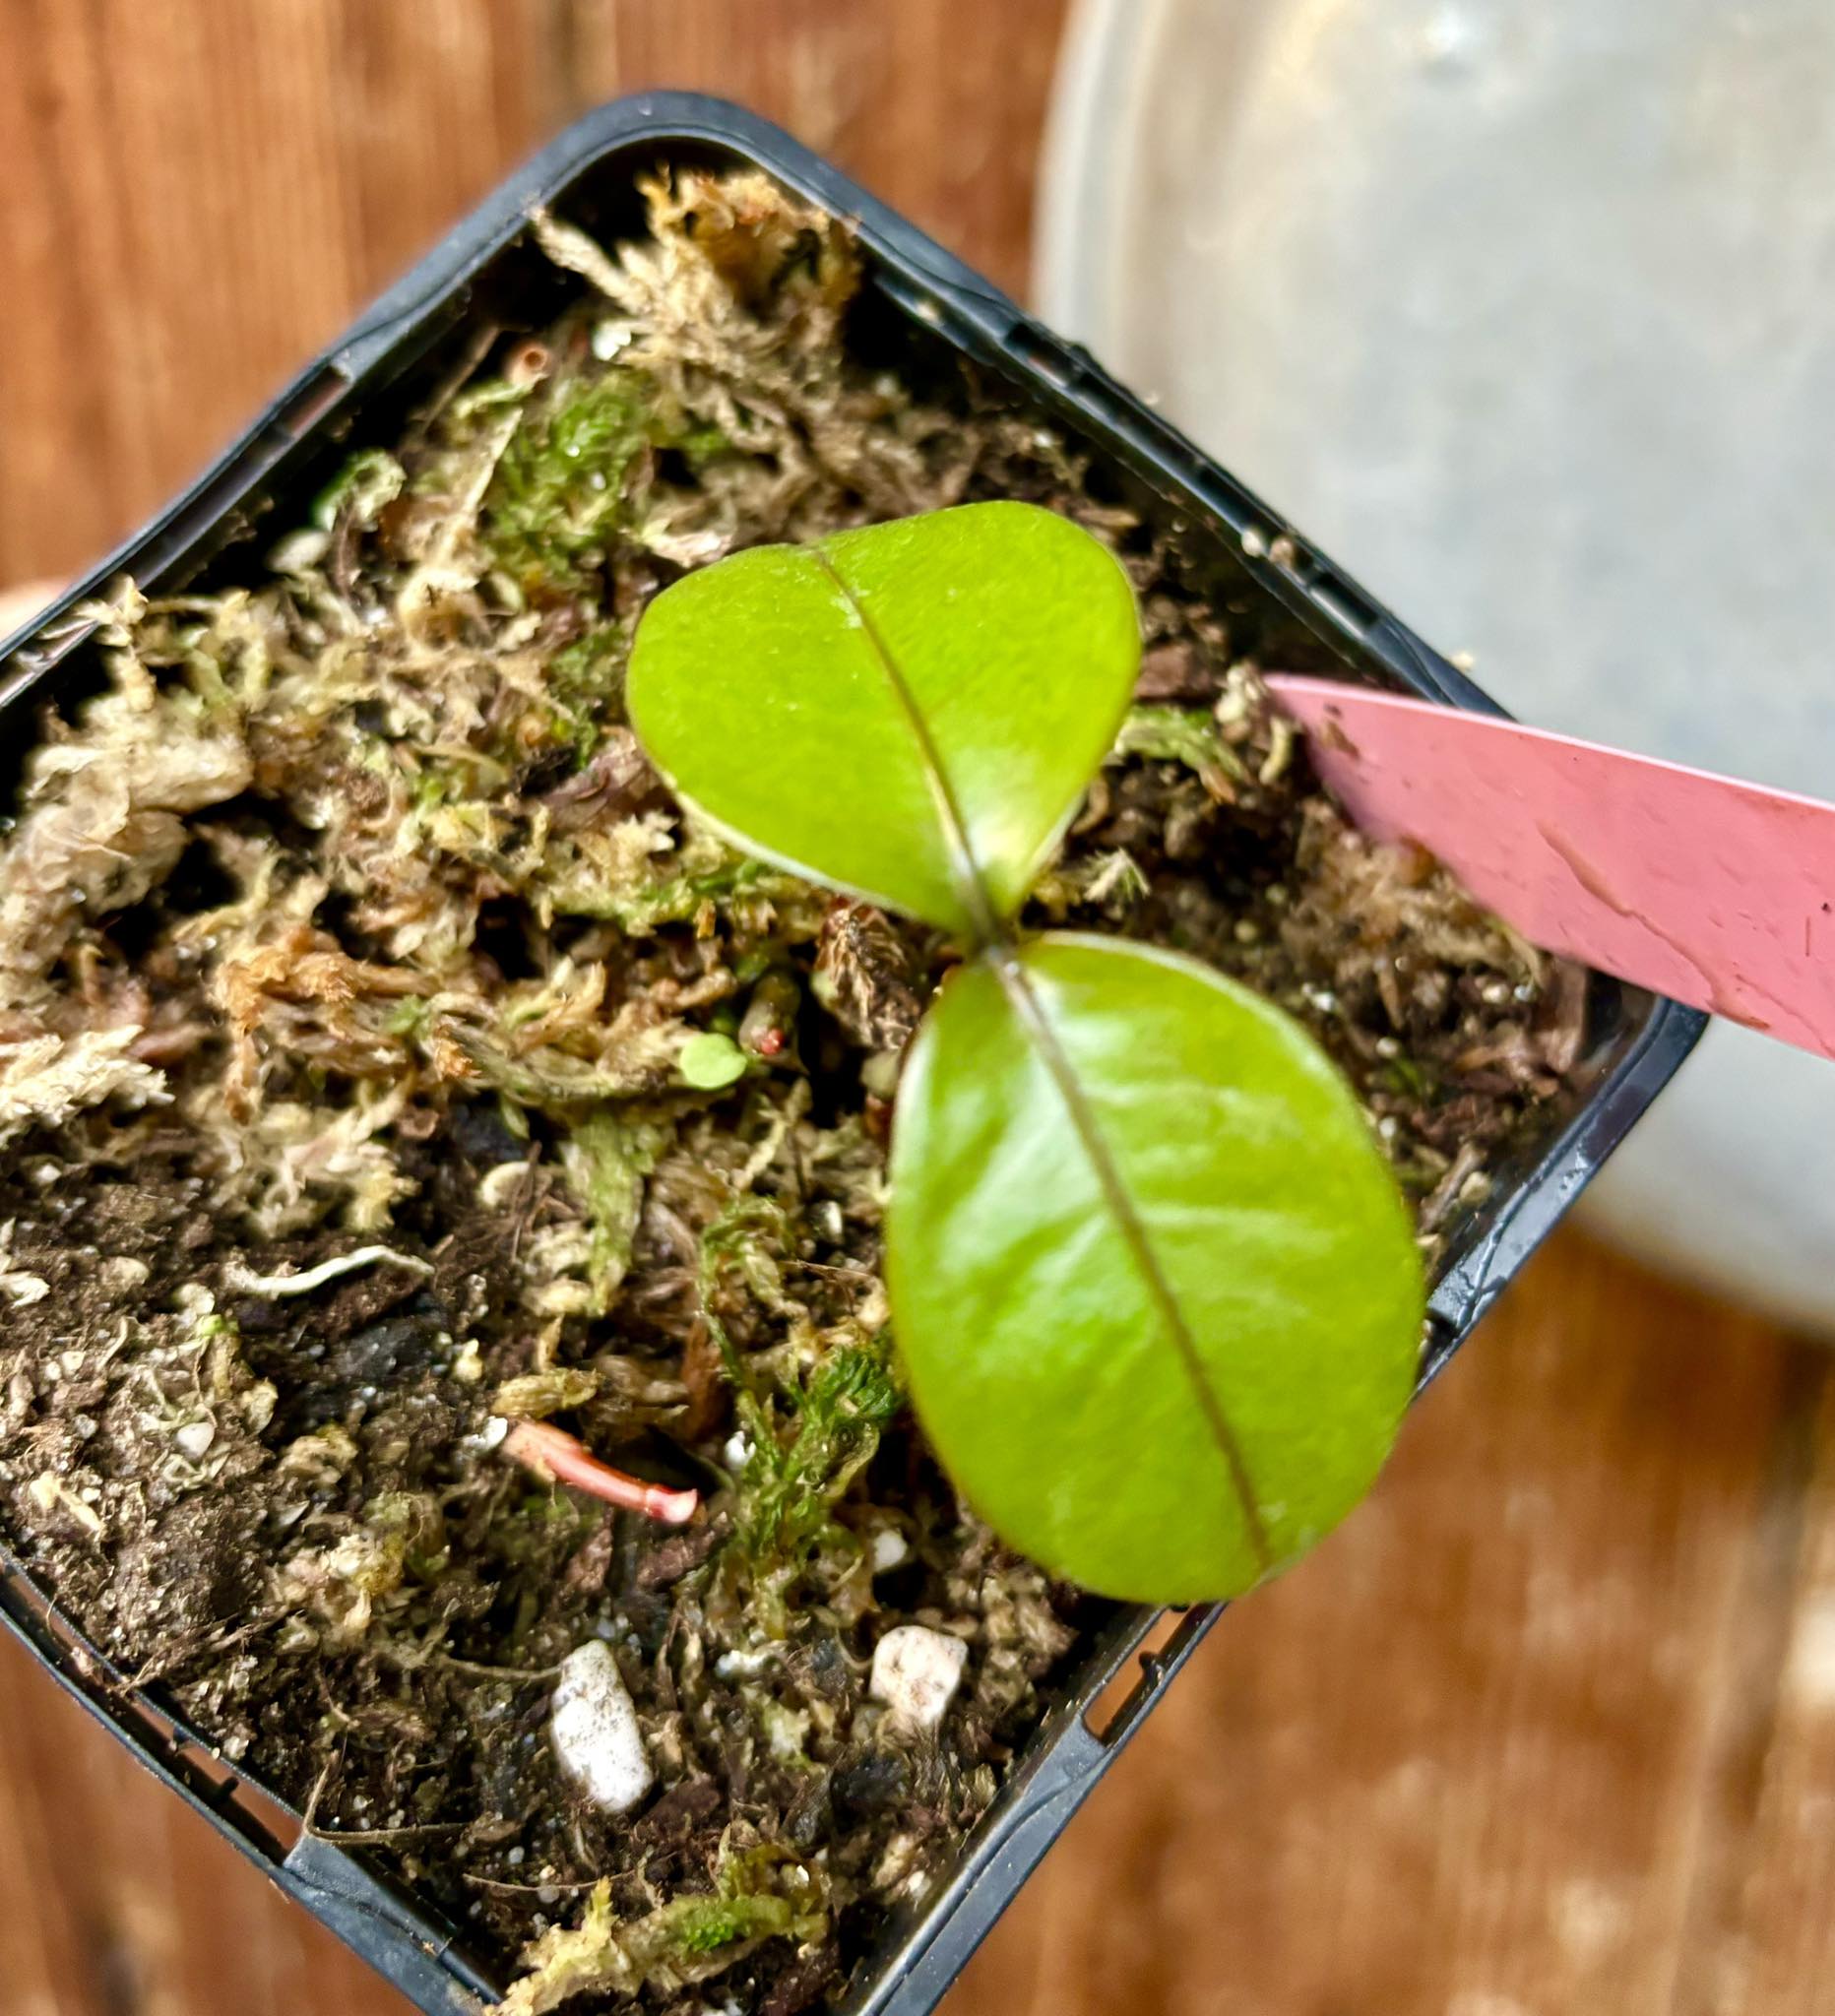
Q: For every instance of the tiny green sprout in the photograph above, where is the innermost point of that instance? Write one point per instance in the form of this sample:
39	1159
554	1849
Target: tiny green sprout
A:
1155	1292
709	1060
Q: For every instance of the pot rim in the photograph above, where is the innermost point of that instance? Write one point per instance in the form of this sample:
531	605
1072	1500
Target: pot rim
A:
924	1950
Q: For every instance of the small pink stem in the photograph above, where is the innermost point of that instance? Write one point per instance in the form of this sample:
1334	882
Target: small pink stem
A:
559	1457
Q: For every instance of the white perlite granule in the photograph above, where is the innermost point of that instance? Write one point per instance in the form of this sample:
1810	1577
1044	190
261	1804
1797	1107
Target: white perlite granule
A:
594	1730
916	1674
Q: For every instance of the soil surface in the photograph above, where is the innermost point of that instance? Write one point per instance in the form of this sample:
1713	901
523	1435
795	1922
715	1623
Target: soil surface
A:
348	949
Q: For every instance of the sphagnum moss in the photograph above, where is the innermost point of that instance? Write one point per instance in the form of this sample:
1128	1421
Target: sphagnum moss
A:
351	917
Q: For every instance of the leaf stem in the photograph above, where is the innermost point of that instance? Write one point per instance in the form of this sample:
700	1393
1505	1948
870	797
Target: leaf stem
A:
1003	955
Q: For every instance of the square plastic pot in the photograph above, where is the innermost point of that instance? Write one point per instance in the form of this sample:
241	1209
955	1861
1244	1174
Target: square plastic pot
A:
920	305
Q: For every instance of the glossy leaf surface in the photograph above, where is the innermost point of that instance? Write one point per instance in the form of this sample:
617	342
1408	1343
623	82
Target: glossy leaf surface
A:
909	711
1155	1289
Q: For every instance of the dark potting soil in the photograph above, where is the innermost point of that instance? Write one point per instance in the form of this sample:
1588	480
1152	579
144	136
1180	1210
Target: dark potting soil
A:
351	917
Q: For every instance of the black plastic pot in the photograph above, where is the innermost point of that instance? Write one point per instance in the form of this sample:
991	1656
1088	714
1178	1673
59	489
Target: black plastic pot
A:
925	302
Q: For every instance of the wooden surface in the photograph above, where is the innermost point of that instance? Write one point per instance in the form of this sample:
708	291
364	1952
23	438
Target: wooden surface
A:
1549	1730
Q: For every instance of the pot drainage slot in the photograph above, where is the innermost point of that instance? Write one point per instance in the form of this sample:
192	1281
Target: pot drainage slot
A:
263	1822
312	401
260	1819
1160	1652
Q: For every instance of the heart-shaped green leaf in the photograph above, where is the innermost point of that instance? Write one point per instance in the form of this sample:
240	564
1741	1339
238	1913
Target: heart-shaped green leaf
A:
1154	1286
911	711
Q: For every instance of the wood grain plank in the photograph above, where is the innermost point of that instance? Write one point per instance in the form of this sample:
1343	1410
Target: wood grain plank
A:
198	196
43	1953
1547	1730
1456	1762
937	107
1764	1935
120	1901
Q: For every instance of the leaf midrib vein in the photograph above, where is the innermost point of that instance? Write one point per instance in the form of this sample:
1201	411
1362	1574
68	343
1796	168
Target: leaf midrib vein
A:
971	886
973	890
1033	1019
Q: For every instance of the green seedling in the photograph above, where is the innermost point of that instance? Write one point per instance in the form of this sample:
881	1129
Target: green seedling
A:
1154	1289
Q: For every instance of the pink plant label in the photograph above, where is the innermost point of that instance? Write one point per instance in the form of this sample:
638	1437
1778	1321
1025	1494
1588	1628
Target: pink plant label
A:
1717	893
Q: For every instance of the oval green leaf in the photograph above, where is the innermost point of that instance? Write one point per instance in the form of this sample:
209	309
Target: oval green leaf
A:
909	711
1156	1291
709	1060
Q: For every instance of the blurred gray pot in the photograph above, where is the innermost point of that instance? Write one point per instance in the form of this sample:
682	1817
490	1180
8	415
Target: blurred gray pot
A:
1527	314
